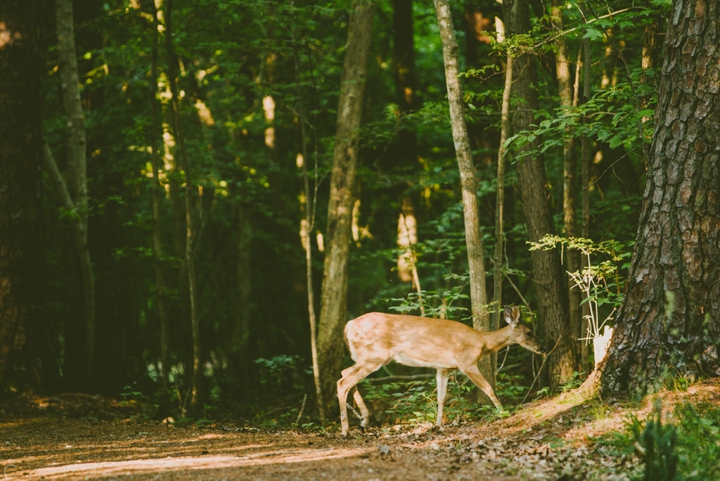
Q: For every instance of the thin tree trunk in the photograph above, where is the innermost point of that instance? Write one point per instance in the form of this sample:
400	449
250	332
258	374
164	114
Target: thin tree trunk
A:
473	236
669	321
500	199
565	90
189	224
305	234
77	168
157	197
20	179
406	142
241	331
545	265
333	305
585	159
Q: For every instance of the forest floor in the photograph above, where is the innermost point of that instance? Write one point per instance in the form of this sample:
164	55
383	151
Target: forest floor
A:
75	436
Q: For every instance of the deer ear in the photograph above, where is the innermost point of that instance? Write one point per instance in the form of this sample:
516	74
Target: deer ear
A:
512	315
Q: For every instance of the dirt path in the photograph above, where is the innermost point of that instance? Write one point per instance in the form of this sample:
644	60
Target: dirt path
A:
78	449
549	440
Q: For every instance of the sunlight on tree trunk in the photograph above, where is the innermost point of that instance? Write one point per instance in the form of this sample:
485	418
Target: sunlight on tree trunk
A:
468	180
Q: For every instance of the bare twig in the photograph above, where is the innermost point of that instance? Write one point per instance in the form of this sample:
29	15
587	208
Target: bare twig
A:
545	358
255	425
414	377
302	408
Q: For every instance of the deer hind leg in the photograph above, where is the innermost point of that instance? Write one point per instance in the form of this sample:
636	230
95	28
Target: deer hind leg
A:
474	374
361	405
350	377
442	381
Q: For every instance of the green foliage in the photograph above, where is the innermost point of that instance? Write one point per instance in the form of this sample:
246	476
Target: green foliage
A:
282	370
600	283
684	447
433	303
659	443
611	115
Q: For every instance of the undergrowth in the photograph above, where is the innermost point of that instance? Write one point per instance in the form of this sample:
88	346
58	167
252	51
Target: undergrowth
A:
684	446
416	401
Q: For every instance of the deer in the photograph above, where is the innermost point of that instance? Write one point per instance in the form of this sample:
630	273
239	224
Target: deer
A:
375	339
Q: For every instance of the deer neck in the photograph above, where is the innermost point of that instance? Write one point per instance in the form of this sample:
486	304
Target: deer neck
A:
496	340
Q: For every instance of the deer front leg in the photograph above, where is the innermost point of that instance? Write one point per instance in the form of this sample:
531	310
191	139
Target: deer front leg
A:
474	374
442	381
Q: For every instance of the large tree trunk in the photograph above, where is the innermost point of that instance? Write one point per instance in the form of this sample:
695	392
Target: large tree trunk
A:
473	236
545	265
189	221
670	319
20	159
77	171
333	305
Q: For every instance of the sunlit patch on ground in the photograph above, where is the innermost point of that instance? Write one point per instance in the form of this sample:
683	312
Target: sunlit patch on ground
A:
120	468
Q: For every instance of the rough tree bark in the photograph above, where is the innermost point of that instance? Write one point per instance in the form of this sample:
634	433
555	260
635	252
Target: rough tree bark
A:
545	265
670	318
468	181
189	221
333	305
20	160
76	184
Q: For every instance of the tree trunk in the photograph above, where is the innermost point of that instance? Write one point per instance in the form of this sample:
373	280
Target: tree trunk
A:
20	159
333	305
500	195
158	192
77	170
306	236
545	265
585	169
565	90
670	318
406	142
241	331
473	236
189	224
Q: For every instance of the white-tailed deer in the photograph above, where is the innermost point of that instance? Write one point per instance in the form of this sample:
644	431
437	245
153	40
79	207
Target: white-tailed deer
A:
375	339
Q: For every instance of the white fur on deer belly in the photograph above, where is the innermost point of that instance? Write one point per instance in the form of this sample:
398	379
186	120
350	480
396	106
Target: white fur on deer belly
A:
413	362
